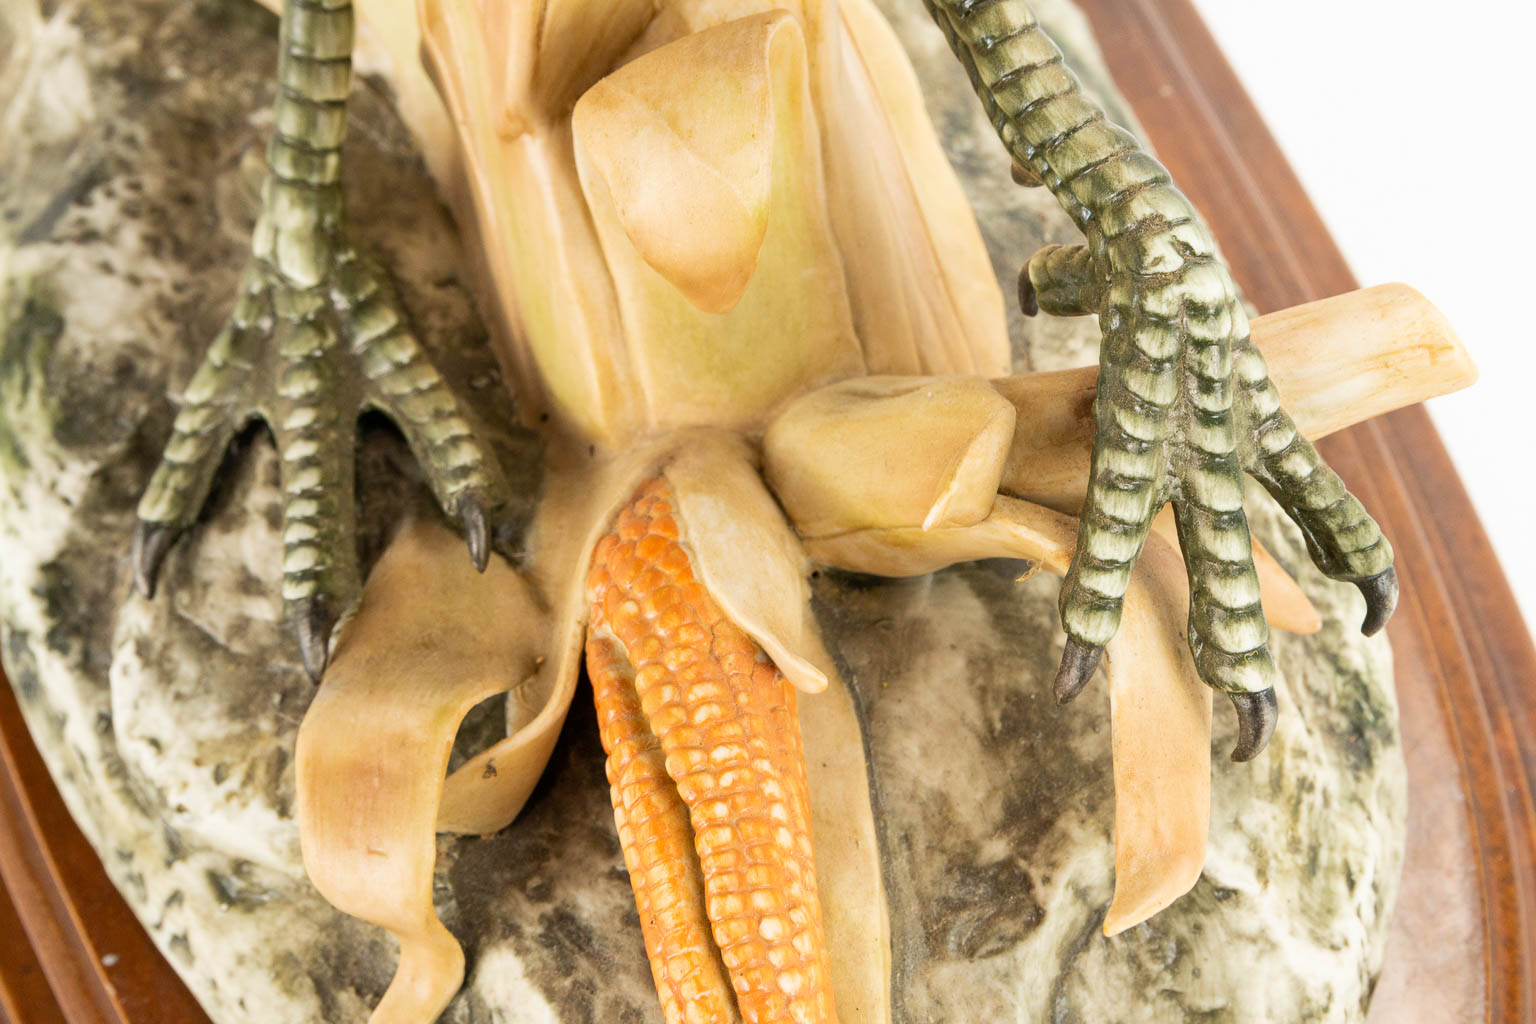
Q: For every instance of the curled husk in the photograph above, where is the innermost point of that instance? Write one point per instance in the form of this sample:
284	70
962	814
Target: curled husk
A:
431	639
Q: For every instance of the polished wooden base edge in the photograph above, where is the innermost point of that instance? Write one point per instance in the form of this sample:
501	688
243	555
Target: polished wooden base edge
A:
79	955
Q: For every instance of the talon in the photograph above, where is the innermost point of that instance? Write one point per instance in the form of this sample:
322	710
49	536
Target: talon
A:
150	543
1256	717
1025	177
1380	593
476	533
1078	661
1029	301
314	620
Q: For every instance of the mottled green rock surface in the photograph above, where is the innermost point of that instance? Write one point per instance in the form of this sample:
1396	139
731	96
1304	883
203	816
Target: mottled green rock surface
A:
130	141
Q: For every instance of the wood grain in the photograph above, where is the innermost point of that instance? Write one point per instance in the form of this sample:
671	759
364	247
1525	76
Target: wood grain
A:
1462	940
98	961
24	992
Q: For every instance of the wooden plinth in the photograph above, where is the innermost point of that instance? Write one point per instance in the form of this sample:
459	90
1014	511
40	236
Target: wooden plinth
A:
1463	945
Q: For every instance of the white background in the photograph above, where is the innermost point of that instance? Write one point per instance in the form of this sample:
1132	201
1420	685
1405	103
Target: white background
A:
1411	126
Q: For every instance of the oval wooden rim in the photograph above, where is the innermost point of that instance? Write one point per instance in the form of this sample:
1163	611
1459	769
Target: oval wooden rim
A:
60	917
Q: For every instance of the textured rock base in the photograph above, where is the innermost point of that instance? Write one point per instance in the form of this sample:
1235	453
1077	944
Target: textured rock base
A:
127	177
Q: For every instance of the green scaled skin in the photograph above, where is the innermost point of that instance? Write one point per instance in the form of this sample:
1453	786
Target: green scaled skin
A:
1184	403
316	336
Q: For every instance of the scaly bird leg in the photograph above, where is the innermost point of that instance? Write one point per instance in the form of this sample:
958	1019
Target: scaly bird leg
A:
709	785
316	336
1184	401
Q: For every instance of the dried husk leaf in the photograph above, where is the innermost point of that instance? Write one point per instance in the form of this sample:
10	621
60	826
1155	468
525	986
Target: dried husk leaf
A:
578	505
889	451
1335	362
1160	710
914	273
925	297
688	171
883	452
788	326
541	267
848	868
1160	723
921	286
430	640
579	41
747	556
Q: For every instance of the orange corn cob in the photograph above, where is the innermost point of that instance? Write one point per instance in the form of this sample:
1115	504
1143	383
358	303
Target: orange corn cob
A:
708	782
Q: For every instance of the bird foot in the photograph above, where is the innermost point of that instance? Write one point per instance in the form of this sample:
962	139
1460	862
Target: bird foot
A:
307	361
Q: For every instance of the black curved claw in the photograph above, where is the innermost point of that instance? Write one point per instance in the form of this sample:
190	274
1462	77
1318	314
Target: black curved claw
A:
1078	661
476	533
1256	717
1380	593
150	543
314	620
1029	302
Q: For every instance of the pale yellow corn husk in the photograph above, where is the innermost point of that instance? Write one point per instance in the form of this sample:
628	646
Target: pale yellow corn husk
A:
747	555
925	297
921	287
1335	362
430	640
575	43
542	274
701	167
575	509
690	173
857	454
889	451
848	865
901	242
1160	710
